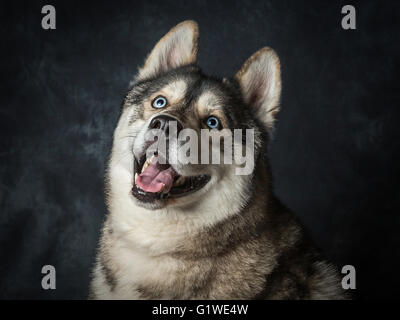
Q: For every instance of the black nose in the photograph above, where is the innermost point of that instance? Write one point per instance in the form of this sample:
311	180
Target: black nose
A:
164	122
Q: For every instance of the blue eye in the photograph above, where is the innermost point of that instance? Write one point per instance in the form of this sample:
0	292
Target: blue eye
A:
212	122
159	102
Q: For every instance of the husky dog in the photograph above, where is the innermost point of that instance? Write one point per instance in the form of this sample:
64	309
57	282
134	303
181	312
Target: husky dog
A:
201	231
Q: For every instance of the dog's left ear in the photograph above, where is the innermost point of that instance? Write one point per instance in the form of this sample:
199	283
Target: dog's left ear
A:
260	82
177	48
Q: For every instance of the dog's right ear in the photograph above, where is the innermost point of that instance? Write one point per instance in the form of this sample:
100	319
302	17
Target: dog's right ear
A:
177	48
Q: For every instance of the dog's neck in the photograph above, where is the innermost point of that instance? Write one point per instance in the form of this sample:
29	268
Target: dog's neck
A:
175	230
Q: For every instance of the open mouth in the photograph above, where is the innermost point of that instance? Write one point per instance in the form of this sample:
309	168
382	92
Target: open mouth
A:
156	181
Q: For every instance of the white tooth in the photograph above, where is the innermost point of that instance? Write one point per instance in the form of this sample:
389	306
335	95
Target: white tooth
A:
163	187
151	158
146	164
136	176
179	181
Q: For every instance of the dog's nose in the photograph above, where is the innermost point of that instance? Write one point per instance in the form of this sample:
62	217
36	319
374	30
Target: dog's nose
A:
164	122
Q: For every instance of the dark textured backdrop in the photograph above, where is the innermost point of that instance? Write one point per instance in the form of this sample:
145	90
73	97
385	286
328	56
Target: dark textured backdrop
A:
335	157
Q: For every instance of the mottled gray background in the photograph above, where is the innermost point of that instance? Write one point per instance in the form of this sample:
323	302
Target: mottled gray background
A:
335	157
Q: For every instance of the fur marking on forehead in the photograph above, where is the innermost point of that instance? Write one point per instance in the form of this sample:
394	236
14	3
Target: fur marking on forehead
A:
208	100
174	91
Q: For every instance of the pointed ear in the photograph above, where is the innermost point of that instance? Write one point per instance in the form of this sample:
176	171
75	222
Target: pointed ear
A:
260	82
177	48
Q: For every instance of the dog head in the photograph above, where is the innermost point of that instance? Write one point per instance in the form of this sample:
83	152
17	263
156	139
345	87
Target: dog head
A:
174	119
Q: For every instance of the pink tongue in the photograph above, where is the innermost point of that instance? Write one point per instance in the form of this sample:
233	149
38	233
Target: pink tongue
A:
154	179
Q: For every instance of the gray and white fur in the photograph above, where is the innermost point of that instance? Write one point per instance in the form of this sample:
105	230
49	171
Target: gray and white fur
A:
232	238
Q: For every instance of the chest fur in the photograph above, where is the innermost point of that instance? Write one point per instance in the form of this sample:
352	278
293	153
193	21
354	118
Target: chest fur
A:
237	273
